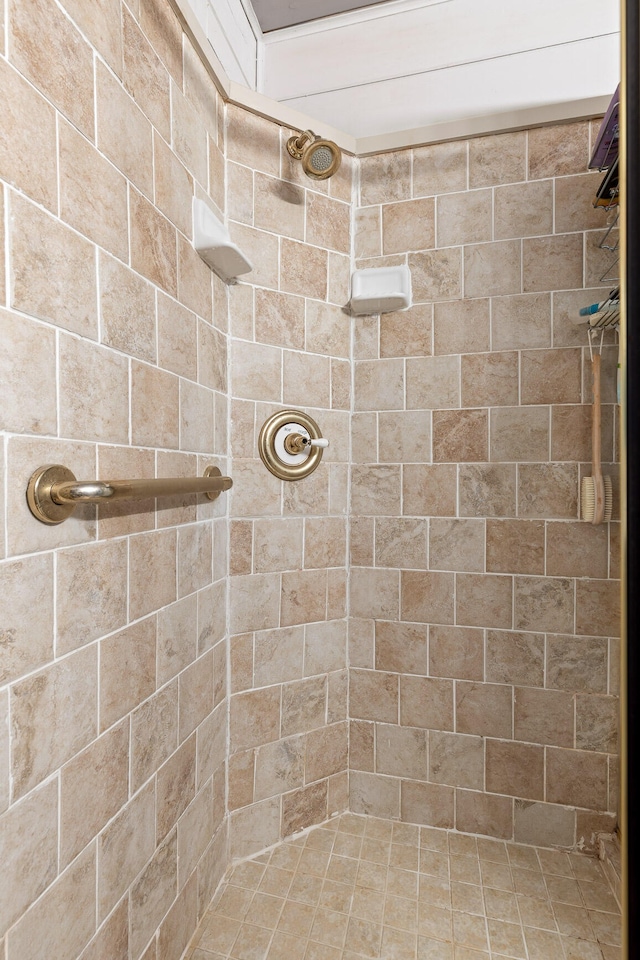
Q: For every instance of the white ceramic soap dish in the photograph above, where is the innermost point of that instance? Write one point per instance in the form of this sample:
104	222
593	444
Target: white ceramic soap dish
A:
212	241
380	289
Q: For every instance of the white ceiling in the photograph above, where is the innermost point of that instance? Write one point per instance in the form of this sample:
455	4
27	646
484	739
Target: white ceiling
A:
387	69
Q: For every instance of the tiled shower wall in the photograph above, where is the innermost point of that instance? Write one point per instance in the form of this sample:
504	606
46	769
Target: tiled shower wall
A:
116	721
483	643
290	348
112	640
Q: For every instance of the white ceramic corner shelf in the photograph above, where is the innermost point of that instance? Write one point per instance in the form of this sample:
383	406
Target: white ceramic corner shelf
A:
212	241
380	289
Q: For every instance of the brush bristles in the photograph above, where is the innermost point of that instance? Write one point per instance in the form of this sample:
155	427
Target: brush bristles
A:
588	499
608	498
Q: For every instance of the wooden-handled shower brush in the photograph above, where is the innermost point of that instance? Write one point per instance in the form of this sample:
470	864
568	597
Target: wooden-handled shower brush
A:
597	493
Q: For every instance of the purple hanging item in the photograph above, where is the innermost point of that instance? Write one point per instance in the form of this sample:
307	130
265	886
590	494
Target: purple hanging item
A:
606	148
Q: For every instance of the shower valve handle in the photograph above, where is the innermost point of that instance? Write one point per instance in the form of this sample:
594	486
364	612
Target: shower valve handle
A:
296	443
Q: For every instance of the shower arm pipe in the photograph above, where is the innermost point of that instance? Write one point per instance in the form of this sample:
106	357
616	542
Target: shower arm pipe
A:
53	491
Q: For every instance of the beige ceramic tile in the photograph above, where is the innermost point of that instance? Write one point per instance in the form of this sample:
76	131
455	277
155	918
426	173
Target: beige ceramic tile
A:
93	788
253	140
492	269
327	223
29	851
195	280
484	813
465	218
497	159
154	733
521	321
456	545
404	436
77	885
577	663
304	597
376	490
64	72
516	546
400	752
460	435
368	235
188	136
45	283
93	195
430	803
515	658
303	269
401	543
484	600
598	607
433	382
153	244
519	434
123	292
426	703
48	724
385	178
154	406
145	77
277	545
543	604
456	652
173	186
544	716
489	379
436	275
571	428
461	326
326	329
427	597
456	759
552	263
559	150
29	357
574	208
279	319
153	893
93	392
124	133
254	718
91	592
548	491
576	777
524	210
306	379
177	345
407	333
429	490
408	226
175	786
29	121
516	769
439	168
484	709
127	670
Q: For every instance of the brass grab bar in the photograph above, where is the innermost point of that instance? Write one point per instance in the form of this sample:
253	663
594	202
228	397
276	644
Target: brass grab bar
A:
53	491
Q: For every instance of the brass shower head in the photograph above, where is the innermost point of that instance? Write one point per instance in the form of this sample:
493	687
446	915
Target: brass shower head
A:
320	158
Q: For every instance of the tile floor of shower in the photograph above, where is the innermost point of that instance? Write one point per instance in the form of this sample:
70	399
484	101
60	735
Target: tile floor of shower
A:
361	887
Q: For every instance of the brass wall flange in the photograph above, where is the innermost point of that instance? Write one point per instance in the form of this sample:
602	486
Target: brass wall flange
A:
286	425
41	503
